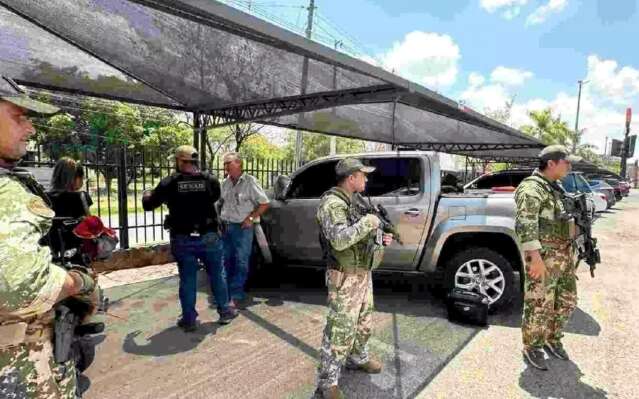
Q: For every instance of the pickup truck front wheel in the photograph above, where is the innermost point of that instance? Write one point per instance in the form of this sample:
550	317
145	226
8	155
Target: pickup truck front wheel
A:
484	271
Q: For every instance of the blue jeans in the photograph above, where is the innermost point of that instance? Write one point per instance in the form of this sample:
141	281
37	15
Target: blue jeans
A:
207	248
238	243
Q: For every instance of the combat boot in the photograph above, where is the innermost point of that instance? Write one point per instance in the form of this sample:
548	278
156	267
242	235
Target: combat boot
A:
332	392
535	358
557	350
372	366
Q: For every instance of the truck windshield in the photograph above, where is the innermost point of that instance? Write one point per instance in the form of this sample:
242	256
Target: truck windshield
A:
394	177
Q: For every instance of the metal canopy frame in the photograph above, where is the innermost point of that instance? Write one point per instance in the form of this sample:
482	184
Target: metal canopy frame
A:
262	110
391	88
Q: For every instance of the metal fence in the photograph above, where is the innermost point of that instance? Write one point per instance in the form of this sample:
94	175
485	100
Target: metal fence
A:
115	178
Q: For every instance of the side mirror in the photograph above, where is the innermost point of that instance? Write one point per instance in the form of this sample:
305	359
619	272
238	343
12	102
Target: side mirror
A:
281	186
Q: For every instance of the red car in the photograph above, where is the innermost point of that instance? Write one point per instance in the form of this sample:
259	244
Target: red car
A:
620	190
625	188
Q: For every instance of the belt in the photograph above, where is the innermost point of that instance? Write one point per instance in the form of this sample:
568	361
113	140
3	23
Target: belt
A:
560	244
350	269
194	232
20	333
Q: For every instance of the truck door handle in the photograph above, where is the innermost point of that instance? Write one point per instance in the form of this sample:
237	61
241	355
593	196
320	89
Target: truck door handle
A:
413	212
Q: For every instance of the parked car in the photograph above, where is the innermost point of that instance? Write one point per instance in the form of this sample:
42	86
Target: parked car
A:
625	188
508	180
575	182
504	179
605	188
464	240
616	185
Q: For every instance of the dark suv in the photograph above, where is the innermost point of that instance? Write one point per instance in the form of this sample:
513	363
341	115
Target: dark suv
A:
504	178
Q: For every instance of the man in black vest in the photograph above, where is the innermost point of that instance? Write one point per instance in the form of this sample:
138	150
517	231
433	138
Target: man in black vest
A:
190	196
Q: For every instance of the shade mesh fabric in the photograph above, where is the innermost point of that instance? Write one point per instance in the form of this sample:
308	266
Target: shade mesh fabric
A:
205	56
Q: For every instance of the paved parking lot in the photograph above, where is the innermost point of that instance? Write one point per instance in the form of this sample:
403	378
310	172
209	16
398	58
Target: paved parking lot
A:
270	351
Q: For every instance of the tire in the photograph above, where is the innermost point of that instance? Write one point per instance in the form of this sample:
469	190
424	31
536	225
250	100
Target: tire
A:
470	261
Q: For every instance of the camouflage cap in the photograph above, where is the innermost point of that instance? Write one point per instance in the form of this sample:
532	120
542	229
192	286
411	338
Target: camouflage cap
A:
11	92
348	166
556	152
185	153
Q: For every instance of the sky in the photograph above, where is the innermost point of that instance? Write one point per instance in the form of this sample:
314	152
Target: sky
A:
487	52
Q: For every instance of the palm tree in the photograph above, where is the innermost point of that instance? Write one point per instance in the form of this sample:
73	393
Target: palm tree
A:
552	130
549	129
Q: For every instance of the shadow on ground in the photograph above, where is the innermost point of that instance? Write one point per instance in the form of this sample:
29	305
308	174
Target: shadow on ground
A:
412	336
561	380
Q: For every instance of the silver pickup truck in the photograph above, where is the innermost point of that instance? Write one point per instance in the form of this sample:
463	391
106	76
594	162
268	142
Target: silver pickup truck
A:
464	240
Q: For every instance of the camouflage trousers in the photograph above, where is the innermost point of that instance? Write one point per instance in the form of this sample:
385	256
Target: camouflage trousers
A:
348	324
550	300
28	371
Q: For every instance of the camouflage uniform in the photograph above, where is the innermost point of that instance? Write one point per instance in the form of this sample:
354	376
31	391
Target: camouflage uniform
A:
549	300
349	281
29	287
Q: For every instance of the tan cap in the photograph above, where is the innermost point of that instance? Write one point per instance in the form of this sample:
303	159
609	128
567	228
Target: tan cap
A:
185	153
556	152
11	92
348	166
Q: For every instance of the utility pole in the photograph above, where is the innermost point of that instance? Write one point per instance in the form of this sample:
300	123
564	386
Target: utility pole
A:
300	117
624	148
333	151
575	141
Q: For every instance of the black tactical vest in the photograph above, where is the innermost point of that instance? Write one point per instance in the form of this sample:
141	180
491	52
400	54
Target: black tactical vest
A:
191	199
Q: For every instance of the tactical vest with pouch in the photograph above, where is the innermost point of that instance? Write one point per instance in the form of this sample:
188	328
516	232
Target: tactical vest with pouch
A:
363	255
562	226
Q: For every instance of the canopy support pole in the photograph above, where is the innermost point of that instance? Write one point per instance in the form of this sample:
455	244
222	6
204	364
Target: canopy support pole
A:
196	131
394	145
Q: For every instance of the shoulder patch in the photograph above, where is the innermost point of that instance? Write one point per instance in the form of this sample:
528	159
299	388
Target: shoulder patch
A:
37	206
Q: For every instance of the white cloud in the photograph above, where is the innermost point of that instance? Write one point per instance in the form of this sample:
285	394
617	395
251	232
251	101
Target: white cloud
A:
475	79
510	8
543	12
494	5
610	89
618	85
482	96
510	76
427	58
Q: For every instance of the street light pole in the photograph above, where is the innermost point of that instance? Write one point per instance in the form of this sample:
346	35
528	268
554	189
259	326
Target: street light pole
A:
624	148
575	141
333	147
300	117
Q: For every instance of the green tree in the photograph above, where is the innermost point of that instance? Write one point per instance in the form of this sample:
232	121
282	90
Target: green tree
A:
316	145
164	139
552	130
548	128
258	147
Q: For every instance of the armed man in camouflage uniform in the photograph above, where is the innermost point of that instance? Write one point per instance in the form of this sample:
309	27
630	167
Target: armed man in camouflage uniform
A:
353	246
30	284
546	234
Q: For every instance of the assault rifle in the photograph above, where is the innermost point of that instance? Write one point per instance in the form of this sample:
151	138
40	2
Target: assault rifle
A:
576	207
380	211
73	339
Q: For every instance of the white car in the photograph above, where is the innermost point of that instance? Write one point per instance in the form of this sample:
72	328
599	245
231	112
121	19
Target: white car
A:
601	203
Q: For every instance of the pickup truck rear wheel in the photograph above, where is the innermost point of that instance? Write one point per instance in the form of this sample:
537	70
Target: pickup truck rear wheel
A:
484	271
